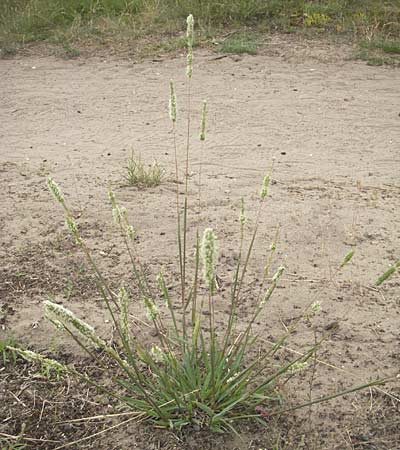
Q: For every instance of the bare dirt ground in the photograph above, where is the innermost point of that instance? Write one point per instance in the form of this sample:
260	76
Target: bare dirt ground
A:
332	126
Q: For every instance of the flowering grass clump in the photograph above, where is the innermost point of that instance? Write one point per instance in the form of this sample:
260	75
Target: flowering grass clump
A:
194	375
141	175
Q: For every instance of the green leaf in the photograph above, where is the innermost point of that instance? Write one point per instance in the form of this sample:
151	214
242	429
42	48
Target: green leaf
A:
347	258
206	409
388	273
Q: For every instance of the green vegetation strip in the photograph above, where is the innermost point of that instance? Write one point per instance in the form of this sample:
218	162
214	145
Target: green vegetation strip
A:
75	22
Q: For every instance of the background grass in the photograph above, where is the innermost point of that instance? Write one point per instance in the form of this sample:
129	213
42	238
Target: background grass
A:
75	22
240	43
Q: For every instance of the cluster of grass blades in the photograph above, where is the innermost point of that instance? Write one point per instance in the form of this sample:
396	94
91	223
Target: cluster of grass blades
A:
141	175
240	43
195	374
7	356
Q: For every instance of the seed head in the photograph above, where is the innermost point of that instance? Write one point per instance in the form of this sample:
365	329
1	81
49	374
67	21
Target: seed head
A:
172	102
189	29
63	316
189	35
73	228
130	232
233	377
277	274
47	363
271	289
264	189
189	64
316	307
151	308
298	367
117	214
55	190
157	353
209	257
112	198
203	121
116	211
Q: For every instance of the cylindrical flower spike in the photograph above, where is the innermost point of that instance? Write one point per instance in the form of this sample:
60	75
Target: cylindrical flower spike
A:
189	29
157	353
172	102
36	357
298	367
264	189
130	232
73	229
151	308
112	198
203	121
163	288
114	206
55	190
189	35
209	257
189	65
271	289
277	274
316	307
62	316
118	213
120	216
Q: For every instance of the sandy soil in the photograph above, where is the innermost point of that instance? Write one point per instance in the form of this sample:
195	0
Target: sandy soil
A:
333	129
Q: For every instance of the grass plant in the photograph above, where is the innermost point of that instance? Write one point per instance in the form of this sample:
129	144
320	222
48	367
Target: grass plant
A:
196	374
7	444
10	442
7	356
240	43
69	51
141	175
391	46
380	50
377	58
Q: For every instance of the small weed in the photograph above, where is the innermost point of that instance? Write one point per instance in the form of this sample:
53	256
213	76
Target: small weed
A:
389	272
70	52
143	176
8	51
373	59
7	356
240	43
69	289
19	274
315	20
391	46
6	444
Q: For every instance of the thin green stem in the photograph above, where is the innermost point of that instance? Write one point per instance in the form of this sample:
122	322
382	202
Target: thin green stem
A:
178	215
